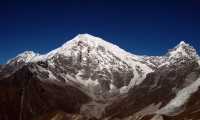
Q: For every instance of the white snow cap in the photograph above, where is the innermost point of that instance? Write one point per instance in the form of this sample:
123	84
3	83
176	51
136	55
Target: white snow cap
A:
182	49
91	41
66	49
182	42
26	56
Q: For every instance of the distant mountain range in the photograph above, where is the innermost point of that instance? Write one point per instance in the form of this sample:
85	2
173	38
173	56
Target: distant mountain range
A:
88	78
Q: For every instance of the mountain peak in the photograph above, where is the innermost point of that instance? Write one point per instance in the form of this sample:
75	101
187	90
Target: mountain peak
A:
182	43
85	35
87	38
24	57
27	53
181	50
87	41
184	47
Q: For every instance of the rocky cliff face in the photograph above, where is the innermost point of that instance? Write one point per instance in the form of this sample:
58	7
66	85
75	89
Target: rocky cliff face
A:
90	77
24	96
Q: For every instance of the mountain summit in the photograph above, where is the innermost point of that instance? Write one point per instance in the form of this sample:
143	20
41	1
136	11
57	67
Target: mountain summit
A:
184	49
88	77
180	53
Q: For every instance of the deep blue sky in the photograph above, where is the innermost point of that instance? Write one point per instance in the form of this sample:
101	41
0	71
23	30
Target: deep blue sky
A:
139	26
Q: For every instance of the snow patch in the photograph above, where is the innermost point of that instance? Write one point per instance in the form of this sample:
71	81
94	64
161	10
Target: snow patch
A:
112	86
140	71
79	80
182	97
157	117
87	82
51	76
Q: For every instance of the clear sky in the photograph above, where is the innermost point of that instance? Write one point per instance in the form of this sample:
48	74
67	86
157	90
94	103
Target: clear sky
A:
143	27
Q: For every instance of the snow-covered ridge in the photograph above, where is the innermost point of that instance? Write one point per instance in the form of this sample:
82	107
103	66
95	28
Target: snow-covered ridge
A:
180	99
82	43
66	48
180	50
91	41
26	57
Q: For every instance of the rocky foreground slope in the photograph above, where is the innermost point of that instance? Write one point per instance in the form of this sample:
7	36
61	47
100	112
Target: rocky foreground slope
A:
89	78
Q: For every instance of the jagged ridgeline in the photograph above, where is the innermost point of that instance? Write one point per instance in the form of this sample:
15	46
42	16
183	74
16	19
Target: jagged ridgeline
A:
89	78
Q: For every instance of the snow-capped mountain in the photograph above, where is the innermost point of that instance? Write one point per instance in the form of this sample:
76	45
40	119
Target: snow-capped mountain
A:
105	76
90	61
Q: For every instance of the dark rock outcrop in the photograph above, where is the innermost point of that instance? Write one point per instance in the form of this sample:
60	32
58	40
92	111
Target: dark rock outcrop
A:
23	96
